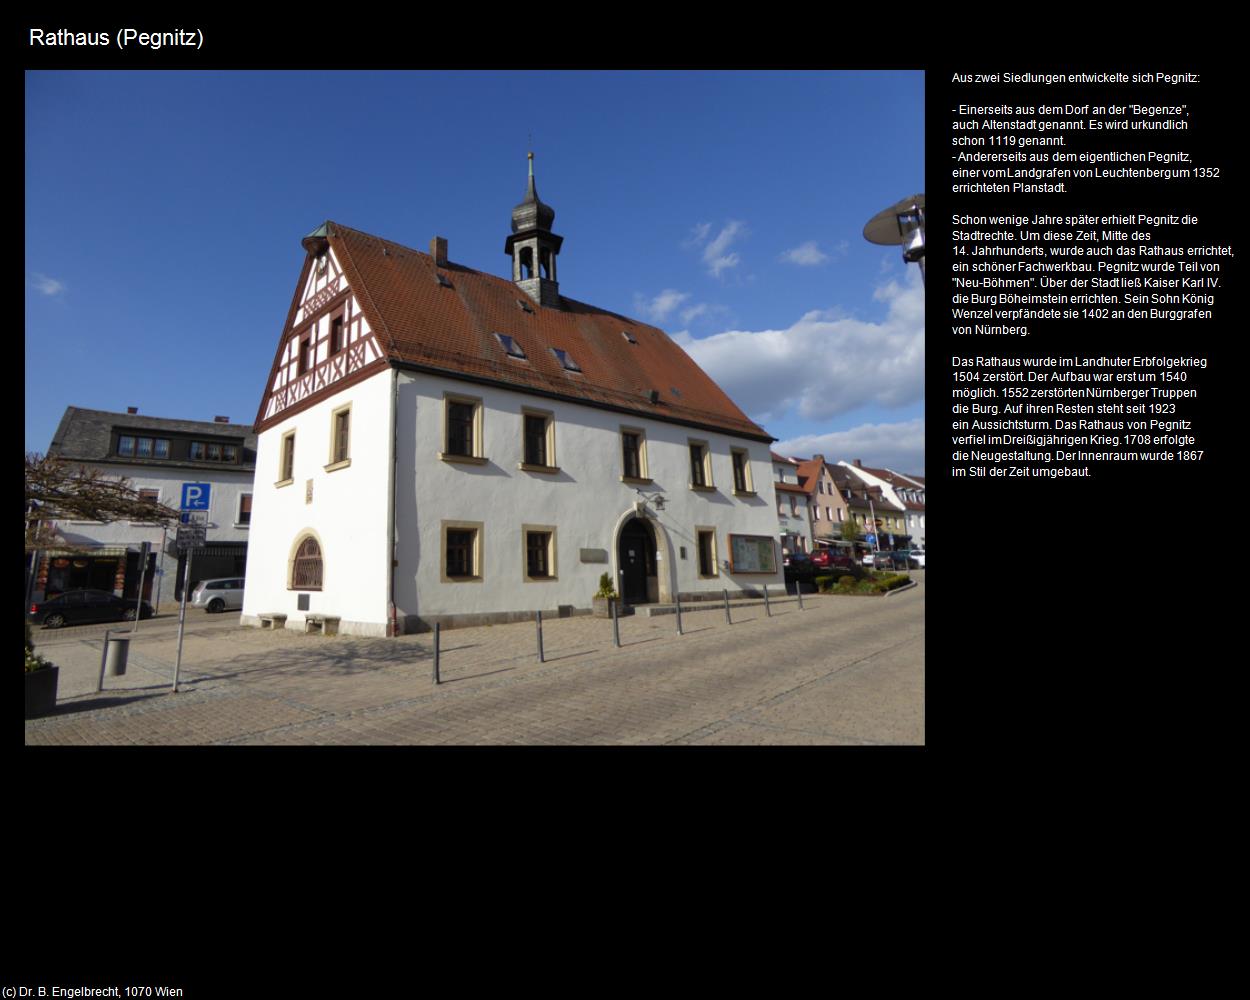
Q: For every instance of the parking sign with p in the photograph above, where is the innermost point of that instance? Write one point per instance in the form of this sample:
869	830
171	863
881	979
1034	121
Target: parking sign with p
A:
195	496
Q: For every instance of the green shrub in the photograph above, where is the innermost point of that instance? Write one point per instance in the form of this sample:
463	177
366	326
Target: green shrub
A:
824	583
605	586
846	581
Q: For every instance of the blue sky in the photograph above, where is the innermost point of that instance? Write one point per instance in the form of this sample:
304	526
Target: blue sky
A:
164	212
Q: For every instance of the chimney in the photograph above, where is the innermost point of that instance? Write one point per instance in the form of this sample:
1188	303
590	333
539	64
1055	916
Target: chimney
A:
438	250
859	463
818	458
132	409
221	420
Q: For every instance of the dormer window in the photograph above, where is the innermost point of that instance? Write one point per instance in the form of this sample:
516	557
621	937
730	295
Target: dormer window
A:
566	360
525	305
442	279
628	336
510	345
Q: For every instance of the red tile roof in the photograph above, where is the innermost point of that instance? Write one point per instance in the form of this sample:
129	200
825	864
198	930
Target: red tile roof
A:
423	324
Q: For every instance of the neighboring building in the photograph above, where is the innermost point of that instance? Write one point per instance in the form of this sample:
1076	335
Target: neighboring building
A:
870	508
793	514
825	503
436	444
158	456
905	492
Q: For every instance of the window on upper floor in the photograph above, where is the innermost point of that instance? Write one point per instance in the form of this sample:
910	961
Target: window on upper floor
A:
244	515
566	360
340	438
462	419
538	440
700	465
305	353
286	459
742	471
213	451
633	454
337	338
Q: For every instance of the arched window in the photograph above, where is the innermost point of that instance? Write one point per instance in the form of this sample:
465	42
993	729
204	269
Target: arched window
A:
306	568
527	262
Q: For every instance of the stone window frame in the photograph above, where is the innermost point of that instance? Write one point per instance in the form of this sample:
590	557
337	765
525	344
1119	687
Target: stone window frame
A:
477	454
748	485
306	535
478	528
238	511
644	472
340	463
549	443
708	485
700	530
552	564
286	463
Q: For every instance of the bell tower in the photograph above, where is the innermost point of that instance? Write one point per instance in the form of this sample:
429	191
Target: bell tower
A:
533	247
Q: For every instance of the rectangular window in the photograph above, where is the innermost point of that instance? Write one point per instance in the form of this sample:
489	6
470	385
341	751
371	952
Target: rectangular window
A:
336	334
214	452
229	453
245	509
707	553
460	428
537	553
794	507
700	464
125	445
340	436
815	513
287	468
144	449
161	449
742	471
536	432
462	551
305	354
633	453
566	360
198	451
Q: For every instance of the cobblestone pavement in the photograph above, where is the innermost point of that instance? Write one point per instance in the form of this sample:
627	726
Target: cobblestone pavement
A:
843	671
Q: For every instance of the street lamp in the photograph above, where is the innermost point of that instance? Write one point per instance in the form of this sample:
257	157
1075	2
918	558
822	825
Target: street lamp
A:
902	224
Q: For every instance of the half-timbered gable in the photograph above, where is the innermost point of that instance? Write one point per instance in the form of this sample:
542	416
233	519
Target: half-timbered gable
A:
328	338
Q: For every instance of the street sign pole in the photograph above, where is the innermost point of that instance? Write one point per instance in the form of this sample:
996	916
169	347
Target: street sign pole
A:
182	617
144	549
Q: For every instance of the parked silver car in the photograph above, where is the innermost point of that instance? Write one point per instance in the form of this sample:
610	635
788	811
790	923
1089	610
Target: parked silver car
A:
225	594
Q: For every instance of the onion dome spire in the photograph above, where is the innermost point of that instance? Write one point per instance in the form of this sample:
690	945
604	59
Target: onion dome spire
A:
532	213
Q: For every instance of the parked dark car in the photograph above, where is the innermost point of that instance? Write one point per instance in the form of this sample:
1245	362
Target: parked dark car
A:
799	566
75	607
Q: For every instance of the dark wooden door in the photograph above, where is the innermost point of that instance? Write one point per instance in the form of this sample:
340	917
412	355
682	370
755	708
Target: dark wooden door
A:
636	555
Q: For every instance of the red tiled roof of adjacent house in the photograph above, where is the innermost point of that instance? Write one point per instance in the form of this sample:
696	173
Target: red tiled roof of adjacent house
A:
781	458
419	322
894	479
809	473
790	488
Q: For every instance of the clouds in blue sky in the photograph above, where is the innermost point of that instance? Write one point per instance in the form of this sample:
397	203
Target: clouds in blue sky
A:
716	254
45	285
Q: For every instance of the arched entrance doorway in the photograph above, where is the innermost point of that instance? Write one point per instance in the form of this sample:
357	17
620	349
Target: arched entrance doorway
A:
635	555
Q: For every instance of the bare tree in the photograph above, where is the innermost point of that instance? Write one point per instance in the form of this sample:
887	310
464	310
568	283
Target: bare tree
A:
56	490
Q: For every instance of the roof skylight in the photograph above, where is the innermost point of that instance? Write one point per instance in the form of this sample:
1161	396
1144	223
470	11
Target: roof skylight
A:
565	359
511	346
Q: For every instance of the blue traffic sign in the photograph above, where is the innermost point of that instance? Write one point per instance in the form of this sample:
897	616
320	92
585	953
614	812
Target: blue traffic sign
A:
195	496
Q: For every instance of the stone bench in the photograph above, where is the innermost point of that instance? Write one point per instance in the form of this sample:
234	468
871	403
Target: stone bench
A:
272	620
323	624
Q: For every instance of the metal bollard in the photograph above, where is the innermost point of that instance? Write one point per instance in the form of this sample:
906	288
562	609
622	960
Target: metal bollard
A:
728	620
767	607
436	677
679	631
103	656
538	617
616	628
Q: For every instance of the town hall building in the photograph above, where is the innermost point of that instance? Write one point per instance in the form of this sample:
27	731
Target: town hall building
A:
437	444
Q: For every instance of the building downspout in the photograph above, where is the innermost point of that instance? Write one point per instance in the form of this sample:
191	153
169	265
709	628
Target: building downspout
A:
392	619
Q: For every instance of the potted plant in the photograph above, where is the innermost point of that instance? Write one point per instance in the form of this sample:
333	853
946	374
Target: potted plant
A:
40	681
603	595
